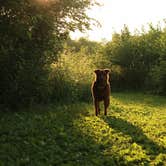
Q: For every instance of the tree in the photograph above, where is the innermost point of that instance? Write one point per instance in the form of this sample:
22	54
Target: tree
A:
138	58
157	74
32	33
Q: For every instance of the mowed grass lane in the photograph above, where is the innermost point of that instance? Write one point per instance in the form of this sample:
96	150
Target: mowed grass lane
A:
133	133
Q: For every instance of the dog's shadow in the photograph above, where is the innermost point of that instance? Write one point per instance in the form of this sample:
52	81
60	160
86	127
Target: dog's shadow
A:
136	133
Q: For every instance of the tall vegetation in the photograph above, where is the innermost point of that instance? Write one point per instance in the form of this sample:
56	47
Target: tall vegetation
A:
72	74
32	33
40	63
138	61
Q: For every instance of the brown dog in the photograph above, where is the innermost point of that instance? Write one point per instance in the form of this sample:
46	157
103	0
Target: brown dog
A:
101	90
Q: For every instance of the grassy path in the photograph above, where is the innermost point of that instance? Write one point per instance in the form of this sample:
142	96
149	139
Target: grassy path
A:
133	133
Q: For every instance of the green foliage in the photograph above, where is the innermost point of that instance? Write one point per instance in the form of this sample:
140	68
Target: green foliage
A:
72	74
90	48
40	63
157	73
71	77
71	134
32	33
138	59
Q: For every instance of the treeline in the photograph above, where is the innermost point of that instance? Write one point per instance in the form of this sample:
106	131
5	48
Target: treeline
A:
138	61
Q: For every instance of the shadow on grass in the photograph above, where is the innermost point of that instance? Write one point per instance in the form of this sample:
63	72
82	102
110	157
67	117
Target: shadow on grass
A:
136	134
82	149
49	136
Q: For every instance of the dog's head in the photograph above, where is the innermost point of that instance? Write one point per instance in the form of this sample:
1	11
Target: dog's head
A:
102	76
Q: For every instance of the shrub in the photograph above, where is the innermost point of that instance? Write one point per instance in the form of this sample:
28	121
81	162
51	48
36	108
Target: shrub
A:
71	77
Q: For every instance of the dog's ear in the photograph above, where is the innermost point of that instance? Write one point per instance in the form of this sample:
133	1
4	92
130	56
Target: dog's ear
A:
107	71
97	71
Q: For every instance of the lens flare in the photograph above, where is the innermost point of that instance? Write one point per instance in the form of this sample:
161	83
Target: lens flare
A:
42	1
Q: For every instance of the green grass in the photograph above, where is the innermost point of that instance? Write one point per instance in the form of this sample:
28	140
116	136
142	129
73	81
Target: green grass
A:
133	133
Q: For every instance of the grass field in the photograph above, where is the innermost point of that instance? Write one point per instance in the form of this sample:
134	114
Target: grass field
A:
133	133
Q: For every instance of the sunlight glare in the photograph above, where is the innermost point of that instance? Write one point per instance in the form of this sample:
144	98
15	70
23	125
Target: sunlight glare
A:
114	14
42	1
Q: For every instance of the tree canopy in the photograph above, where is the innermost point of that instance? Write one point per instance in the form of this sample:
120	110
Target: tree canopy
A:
138	60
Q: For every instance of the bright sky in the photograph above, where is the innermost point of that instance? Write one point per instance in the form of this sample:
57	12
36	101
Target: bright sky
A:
115	13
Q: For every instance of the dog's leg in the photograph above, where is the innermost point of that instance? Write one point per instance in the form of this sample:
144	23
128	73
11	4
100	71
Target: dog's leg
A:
106	104
96	107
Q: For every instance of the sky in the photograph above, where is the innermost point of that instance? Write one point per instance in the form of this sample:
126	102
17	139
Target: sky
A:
114	14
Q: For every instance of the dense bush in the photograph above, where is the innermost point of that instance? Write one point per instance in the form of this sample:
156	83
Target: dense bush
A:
71	77
157	73
32	33
138	60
